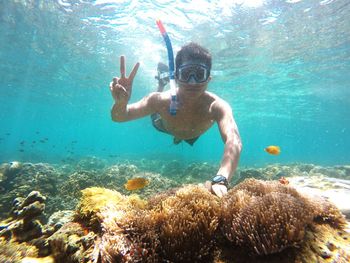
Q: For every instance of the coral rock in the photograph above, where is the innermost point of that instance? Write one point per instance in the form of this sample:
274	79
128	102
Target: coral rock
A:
22	225
67	244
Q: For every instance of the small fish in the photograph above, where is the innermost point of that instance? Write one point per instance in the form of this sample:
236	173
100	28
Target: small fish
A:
86	231
283	180
272	149
136	184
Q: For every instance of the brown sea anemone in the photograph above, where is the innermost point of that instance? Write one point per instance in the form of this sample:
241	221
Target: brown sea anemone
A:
186	223
266	217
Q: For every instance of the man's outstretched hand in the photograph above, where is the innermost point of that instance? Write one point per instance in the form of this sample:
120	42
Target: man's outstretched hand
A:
218	189
121	87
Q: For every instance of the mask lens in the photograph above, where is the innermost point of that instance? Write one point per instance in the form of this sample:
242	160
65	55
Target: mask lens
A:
185	74
199	72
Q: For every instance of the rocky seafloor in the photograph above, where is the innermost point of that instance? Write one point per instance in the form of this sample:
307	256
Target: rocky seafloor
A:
81	212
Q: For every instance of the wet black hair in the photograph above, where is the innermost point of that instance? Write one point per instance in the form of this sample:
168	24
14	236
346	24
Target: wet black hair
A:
193	51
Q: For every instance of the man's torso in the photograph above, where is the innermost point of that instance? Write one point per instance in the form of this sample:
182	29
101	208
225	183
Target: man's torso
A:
189	121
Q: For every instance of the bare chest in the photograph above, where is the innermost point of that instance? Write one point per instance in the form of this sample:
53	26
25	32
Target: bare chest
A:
187	124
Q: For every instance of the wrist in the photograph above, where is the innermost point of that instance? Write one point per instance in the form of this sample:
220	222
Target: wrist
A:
119	112
219	179
119	105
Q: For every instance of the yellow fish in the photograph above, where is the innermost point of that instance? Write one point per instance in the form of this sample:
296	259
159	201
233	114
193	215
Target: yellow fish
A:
136	183
272	149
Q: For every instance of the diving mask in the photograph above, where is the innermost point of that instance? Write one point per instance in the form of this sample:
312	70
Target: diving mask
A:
199	72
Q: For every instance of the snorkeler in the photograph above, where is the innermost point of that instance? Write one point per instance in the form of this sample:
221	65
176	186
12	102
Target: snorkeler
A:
197	109
157	122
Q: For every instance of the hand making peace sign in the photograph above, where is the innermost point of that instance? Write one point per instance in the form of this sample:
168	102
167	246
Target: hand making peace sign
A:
121	87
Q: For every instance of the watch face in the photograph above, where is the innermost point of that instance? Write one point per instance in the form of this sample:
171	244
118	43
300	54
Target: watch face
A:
218	179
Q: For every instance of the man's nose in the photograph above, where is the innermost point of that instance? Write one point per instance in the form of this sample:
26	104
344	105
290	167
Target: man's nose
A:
192	80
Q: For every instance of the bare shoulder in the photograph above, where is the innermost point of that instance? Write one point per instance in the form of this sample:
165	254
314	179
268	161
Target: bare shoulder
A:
159	99
218	106
164	96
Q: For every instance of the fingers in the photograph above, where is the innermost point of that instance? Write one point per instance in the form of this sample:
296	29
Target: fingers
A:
219	190
115	85
122	66
134	71
116	88
123	70
220	193
207	185
120	89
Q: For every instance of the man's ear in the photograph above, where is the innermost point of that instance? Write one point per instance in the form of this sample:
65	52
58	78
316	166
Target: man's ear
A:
209	79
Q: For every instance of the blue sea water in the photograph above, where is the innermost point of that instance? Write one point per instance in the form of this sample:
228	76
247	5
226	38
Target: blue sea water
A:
284	67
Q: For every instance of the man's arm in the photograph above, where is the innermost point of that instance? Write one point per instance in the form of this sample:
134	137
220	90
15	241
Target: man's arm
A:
232	140
122	112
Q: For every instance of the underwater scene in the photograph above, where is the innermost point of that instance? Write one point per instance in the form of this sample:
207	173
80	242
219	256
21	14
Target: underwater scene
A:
79	183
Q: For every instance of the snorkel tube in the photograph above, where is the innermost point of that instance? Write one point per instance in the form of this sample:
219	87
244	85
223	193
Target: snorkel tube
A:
173	102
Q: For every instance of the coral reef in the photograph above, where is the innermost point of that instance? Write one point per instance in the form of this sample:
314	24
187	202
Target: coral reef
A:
91	163
71	243
22	225
335	190
95	200
172	167
22	235
101	229
323	243
188	220
257	221
199	172
19	179
268	217
261	218
119	175
59	218
63	183
275	171
15	252
127	229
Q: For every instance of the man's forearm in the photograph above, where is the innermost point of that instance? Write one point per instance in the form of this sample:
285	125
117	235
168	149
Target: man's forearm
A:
119	112
229	162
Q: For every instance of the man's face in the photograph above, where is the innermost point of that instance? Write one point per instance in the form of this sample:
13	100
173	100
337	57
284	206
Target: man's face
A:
193	76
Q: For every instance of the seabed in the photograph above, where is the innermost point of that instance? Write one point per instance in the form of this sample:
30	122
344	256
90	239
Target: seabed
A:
83	213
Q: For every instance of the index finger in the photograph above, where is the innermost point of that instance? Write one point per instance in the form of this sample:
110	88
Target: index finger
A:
122	66
134	71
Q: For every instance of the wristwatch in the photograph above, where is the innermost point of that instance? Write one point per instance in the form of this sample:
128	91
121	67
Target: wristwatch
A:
220	179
